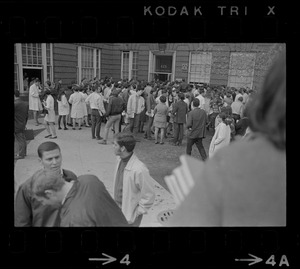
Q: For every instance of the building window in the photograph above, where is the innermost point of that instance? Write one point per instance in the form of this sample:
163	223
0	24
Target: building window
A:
241	70
200	67
125	65
129	65
49	60
32	54
98	64
89	62
134	67
16	69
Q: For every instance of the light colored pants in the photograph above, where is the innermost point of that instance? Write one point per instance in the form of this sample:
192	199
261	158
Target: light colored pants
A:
113	120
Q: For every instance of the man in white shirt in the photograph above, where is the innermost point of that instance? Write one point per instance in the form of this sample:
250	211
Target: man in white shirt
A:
135	105
201	98
245	96
106	93
148	88
238	94
95	100
237	109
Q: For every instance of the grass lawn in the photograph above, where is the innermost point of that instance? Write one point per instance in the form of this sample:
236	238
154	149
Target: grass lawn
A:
162	159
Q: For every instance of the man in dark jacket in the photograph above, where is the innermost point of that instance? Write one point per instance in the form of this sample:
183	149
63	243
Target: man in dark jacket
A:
196	125
183	86
180	111
83	203
150	105
29	212
21	117
115	107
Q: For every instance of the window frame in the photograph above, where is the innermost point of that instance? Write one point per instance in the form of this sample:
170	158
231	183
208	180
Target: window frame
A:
131	58
231	71
96	69
202	67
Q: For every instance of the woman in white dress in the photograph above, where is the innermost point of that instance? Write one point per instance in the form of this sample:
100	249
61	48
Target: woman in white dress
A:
63	108
221	136
49	119
84	107
77	112
34	100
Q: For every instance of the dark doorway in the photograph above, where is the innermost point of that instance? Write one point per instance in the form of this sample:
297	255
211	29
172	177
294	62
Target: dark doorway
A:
163	67
30	74
161	77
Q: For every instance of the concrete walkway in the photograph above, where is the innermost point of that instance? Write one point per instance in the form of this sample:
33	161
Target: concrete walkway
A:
84	155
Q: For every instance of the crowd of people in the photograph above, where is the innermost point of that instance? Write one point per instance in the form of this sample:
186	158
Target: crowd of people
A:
244	184
158	109
230	191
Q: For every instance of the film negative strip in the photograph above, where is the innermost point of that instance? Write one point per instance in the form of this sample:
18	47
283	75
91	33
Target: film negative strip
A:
177	26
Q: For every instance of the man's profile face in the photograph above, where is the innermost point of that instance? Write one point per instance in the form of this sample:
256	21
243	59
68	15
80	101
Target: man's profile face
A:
117	148
51	160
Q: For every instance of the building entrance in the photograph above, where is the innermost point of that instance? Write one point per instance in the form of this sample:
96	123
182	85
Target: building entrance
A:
161	77
28	75
161	66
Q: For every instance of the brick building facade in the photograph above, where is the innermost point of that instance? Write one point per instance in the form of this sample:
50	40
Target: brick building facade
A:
230	64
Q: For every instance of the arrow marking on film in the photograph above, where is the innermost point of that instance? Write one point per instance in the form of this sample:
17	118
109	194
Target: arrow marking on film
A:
255	260
109	259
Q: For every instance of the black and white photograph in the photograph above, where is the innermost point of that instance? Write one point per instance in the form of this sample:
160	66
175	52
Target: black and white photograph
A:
150	134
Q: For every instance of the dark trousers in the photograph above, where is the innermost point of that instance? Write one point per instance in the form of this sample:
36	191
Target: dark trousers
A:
211	119
134	124
198	142
178	134
236	117
96	123
21	144
149	125
64	120
120	124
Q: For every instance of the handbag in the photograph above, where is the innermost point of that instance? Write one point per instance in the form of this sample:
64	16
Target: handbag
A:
29	135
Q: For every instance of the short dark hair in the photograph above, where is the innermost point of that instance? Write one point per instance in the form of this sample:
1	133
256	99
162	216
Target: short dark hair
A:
223	116
46	146
181	96
163	98
196	102
126	139
140	88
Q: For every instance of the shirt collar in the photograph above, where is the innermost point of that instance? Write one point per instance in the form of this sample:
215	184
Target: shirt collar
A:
126	159
71	192
71	182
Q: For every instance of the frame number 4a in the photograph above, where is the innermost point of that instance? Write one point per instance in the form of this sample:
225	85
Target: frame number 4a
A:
283	261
